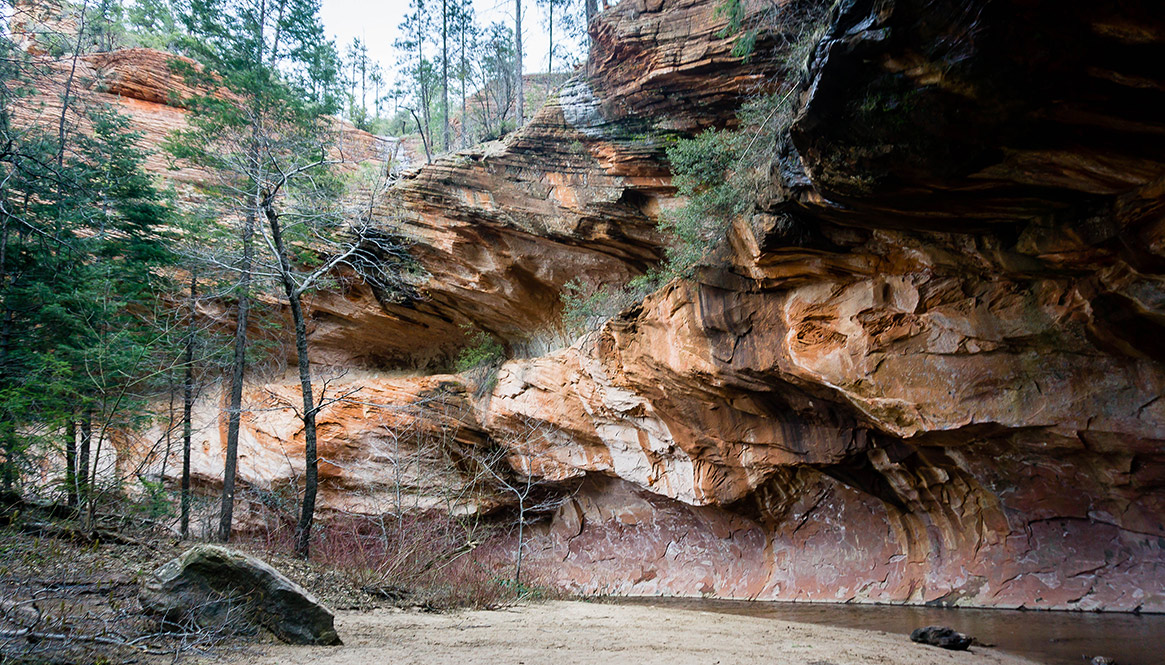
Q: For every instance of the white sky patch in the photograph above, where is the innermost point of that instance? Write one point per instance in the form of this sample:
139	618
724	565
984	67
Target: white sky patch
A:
376	23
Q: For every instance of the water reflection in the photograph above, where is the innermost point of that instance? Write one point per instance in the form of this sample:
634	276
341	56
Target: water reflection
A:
1054	638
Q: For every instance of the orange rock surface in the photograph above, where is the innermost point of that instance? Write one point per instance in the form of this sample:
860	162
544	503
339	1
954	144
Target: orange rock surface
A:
929	369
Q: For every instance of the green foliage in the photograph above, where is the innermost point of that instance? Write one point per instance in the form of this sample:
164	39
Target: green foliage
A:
83	231
154	502
734	11
152	24
480	360
705	173
483	351
587	307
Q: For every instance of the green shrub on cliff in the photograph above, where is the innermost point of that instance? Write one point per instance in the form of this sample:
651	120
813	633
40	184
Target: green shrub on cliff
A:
722	174
480	359
704	172
586	307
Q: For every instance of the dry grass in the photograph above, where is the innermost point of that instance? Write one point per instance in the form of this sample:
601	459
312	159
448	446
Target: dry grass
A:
433	561
65	600
66	597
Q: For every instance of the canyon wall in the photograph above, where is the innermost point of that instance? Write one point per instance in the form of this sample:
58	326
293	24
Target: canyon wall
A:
928	368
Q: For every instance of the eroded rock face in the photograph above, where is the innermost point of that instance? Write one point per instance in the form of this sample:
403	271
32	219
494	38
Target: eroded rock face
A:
942	386
575	195
928	370
387	445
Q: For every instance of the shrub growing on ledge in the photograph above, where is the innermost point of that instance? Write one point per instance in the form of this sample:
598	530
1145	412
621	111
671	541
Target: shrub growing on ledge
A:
723	173
480	360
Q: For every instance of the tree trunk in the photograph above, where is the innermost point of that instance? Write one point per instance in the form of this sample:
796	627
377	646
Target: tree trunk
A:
424	141
71	463
93	476
9	468
550	58
83	456
518	63
423	89
521	528
592	9
7	431
464	116
311	462
234	410
445	70
187	408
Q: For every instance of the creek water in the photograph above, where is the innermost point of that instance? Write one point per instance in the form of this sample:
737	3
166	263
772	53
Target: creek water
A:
1053	638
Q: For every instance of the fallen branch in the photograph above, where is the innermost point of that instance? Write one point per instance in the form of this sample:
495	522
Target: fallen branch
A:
33	636
50	530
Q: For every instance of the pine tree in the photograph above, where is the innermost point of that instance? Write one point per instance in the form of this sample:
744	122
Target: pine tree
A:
519	78
415	29
260	124
80	243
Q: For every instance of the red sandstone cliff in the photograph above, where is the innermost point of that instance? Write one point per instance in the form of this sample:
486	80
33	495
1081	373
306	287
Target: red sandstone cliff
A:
945	388
943	385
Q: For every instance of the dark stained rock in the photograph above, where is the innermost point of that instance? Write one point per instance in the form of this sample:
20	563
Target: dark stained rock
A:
941	636
214	585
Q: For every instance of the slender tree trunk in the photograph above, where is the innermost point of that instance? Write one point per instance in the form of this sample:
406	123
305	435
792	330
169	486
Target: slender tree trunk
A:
424	140
464	115
5	329
592	9
550	58
518	63
311	460
521	535
61	127
9	468
422	88
93	476
7	429
83	456
169	432
445	70
71	463
238	368
187	408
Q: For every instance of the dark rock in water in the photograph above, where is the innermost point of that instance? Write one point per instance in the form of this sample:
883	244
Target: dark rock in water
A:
941	636
1101	660
215	587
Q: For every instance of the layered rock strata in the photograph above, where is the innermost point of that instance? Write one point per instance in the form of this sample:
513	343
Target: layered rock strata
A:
928	372
927	369
386	445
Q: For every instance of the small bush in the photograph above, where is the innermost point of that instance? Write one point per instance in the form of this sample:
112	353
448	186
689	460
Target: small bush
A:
704	172
483	350
586	308
480	361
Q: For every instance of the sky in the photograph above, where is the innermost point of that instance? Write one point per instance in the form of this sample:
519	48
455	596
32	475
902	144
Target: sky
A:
376	23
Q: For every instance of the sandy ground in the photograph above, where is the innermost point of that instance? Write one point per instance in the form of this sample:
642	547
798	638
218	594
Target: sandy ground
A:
602	634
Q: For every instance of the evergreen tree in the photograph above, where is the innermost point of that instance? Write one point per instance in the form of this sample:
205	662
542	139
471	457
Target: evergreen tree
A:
262	123
80	244
417	69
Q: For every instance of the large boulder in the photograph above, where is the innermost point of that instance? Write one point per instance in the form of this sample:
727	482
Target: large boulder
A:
214	586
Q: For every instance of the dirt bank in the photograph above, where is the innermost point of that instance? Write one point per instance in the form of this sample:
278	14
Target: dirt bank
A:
582	633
